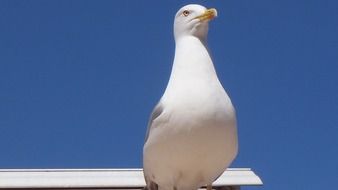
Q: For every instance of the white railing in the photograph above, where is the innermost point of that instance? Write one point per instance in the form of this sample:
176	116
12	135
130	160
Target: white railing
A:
104	178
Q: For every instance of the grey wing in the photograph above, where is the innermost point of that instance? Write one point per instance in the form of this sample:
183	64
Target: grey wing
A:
157	111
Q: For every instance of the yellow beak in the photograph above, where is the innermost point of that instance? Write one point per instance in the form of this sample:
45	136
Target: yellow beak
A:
208	14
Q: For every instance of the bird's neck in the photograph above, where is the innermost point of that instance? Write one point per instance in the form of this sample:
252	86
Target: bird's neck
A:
192	60
193	73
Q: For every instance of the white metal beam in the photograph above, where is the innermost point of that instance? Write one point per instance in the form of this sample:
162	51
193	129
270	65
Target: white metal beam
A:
103	178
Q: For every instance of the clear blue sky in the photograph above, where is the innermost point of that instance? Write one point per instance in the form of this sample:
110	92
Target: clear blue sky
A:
78	80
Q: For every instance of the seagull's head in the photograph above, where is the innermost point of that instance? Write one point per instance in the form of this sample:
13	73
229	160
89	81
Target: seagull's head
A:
193	20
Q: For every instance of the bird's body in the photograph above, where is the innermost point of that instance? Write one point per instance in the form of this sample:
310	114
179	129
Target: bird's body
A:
192	136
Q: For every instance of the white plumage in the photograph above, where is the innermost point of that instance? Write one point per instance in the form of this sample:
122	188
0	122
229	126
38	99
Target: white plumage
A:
192	136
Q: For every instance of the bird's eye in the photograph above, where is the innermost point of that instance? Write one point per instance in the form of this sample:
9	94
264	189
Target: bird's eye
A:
186	13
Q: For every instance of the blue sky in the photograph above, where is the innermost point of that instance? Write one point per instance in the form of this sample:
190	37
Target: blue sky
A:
78	80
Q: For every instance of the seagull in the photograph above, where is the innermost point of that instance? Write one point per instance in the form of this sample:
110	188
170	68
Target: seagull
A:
192	135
